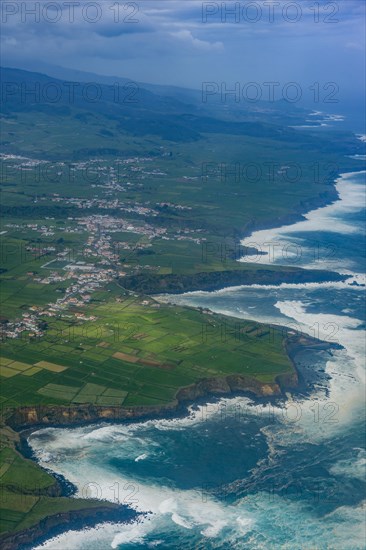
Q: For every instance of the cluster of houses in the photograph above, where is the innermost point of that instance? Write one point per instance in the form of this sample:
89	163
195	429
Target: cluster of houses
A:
77	279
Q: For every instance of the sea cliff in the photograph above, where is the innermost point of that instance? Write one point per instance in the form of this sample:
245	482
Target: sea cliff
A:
216	280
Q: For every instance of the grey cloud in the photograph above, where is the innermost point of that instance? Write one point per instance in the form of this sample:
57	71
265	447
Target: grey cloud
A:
169	43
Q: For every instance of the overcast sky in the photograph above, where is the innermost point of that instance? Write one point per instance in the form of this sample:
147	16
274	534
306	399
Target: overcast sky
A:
187	42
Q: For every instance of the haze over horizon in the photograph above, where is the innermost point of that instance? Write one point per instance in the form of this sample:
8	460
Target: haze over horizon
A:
182	246
209	41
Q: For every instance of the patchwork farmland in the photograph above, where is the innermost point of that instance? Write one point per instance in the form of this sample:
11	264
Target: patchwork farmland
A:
135	355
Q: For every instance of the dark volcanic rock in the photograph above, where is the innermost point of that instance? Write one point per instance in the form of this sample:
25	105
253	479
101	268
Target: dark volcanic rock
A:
55	524
208	281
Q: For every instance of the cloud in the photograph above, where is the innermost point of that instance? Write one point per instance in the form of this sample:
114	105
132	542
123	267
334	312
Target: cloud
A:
186	36
170	34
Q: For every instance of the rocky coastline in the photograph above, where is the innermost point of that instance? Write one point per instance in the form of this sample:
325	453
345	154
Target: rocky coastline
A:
216	280
27	419
55	524
39	416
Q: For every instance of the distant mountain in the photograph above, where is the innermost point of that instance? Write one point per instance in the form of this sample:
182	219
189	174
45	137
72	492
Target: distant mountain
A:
185	95
138	110
279	112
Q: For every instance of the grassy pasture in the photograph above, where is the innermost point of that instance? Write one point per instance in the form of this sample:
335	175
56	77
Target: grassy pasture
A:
174	347
135	355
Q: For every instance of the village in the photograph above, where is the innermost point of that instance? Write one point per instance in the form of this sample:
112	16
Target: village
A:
99	255
84	277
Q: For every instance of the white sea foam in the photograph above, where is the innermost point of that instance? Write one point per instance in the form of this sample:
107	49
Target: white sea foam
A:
358	157
346	368
186	509
279	244
354	467
344	528
84	540
70	452
141	457
132	534
348	284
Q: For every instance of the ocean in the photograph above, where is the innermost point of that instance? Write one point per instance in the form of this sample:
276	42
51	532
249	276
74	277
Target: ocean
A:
234	473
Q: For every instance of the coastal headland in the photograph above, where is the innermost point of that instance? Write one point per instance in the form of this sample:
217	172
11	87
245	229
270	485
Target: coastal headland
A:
92	229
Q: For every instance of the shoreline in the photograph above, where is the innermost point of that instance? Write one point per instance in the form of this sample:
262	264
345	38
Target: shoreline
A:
293	220
298	214
30	418
220	280
208	390
54	525
264	274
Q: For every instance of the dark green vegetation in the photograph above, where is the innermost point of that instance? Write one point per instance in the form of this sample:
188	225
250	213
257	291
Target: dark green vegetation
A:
221	169
135	353
179	183
132	109
214	280
29	494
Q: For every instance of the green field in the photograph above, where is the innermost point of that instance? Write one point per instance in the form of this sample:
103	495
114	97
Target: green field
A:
28	493
133	353
182	190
